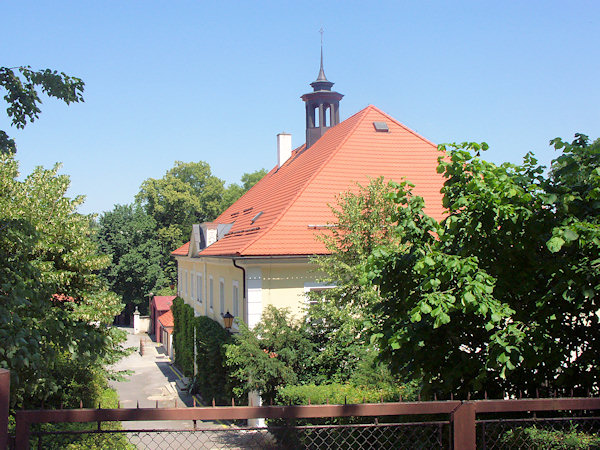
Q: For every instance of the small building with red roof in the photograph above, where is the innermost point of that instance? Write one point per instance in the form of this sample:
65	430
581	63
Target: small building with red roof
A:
159	305
257	252
165	331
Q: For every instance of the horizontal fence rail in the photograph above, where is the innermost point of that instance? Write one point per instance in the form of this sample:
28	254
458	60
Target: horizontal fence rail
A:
26	418
236	412
436	424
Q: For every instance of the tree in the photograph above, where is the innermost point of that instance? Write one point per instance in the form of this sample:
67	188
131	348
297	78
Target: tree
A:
275	353
503	294
188	194
54	309
250	179
335	319
330	343
21	85
128	235
235	191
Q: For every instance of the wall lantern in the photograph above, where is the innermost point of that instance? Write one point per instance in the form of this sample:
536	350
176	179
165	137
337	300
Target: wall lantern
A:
228	320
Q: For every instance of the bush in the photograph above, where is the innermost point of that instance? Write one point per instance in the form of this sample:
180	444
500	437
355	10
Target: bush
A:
108	398
534	437
211	380
212	377
342	394
337	393
183	335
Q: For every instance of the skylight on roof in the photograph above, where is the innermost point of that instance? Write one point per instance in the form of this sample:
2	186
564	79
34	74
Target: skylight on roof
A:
381	127
255	218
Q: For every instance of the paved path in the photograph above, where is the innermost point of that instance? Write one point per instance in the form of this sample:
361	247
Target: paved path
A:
152	383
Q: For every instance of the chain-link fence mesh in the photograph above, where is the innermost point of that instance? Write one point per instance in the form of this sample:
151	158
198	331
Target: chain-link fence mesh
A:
539	433
428	435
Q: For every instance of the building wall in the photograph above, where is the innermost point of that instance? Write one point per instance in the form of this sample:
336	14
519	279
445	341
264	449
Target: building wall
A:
281	283
194	276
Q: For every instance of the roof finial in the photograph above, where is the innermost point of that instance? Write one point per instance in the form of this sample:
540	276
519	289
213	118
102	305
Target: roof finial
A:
321	76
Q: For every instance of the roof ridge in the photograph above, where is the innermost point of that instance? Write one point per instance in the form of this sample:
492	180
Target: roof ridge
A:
309	179
397	122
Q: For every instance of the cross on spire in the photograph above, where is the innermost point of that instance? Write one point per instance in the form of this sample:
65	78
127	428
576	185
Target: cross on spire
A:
321	76
322	105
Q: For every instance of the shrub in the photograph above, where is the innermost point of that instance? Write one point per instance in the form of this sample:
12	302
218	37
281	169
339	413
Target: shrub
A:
212	377
342	393
183	335
211	380
275	353
108	398
534	437
336	393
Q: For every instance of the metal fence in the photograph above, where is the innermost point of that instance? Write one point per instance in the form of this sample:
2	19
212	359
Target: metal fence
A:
431	435
539	432
375	425
487	424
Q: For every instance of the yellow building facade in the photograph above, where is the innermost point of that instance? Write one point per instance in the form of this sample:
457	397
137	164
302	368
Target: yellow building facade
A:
243	287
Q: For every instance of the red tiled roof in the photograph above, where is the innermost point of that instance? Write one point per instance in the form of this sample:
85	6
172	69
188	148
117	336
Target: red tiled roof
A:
182	251
166	319
62	298
297	194
163	303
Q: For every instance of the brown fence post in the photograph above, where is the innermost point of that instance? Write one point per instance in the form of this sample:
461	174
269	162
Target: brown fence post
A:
463	426
4	406
22	431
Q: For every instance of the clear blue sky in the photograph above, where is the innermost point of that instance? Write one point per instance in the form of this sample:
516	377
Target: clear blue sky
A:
216	81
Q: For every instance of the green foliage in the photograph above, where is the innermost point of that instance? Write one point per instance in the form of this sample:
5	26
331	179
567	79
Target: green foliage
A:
338	334
21	85
54	309
335	321
183	335
342	393
282	355
502	294
362	223
534	437
211	380
79	440
128	235
188	194
281	351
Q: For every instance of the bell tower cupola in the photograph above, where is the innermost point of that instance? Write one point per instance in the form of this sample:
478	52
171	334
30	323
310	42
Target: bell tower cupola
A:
322	106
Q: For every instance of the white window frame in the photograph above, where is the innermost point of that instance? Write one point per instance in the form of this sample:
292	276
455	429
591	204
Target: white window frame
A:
211	292
192	285
199	287
235	298
179	281
310	287
222	295
185	283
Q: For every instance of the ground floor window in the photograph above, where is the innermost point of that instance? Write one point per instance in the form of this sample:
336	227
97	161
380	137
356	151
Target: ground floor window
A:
222	295
235	299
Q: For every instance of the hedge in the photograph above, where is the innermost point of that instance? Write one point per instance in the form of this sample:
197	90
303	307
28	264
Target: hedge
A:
183	336
342	393
534	437
212	377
